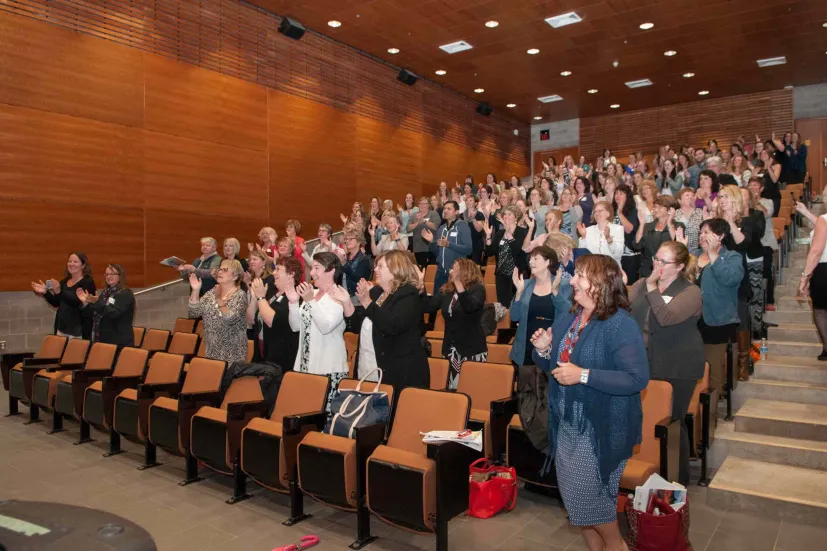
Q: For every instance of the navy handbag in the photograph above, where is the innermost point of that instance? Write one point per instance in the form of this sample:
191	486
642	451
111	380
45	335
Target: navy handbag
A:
358	408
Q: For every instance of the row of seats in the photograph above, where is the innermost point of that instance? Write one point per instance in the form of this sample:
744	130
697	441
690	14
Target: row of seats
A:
785	226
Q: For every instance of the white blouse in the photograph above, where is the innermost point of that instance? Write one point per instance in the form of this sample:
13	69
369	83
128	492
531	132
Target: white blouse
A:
321	326
596	241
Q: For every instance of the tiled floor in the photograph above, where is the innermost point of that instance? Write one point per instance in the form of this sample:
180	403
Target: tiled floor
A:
35	466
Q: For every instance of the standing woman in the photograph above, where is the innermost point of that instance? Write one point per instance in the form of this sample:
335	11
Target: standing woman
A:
646	200
770	171
690	216
325	244
408	211
707	189
204	266
231	249
768	240
813	282
584	198
223	310
69	319
604	237
293	228
461	300
112	310
669	180
667	306
267	238
476	221
651	235
392	240
269	314
537	209
625	210
507	246
797	153
597	363
320	321
741	170
259	268
571	213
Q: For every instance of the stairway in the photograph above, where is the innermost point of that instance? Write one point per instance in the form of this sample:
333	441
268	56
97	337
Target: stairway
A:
772	458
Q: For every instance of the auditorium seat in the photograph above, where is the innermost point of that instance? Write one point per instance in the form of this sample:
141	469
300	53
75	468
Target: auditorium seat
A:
184	325
269	446
701	419
130	416
169	418
490	387
251	349
439	373
416	486
430	274
156	340
138	335
436	348
199	328
438	332
499	354
331	469
19	382
659	449
351	347
491	294
185	344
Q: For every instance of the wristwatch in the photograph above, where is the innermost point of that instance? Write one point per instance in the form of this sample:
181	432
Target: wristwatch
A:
584	376
805	274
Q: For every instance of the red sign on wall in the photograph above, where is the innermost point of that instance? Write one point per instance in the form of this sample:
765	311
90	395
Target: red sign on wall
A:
544	136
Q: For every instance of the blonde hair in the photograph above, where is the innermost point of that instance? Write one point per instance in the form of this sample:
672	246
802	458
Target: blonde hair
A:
235	244
210	240
266	260
682	256
734	194
607	206
558	218
268	232
557	241
403	270
352	232
235	268
650	185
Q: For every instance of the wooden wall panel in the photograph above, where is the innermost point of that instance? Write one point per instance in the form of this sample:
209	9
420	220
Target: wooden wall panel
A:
188	101
53	69
203	177
68	159
39	234
389	161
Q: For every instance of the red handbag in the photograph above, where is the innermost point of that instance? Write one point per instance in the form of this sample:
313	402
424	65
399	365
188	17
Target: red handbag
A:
492	488
664	532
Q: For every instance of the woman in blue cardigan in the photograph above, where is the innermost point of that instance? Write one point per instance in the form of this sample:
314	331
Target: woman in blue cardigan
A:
598	366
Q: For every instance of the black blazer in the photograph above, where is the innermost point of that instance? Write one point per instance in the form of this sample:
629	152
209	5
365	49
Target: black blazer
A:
463	327
117	314
517	253
397	332
71	318
280	343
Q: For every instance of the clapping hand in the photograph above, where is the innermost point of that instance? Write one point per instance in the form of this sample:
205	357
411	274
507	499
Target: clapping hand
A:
654	277
339	294
258	288
566	373
290	291
427	235
363	292
442	242
343	218
250	247
581	229
670	218
680	235
555	284
641	216
39	287
541	339
195	283
519	282
607	234
486	227
305	291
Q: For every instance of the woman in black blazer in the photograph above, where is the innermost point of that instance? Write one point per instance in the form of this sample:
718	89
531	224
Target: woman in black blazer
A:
112	310
461	300
395	317
507	246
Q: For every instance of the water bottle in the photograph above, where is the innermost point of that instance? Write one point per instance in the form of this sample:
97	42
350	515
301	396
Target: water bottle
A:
763	349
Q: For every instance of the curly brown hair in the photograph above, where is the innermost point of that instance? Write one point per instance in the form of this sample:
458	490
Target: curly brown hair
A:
607	288
292	267
469	274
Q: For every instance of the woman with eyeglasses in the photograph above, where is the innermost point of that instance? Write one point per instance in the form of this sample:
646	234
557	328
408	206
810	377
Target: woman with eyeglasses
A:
667	306
112	310
650	235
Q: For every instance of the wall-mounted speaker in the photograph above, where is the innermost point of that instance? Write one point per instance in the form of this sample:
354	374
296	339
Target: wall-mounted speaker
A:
484	109
291	28
407	77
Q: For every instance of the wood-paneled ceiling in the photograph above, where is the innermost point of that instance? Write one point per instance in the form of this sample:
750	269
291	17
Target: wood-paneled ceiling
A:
718	41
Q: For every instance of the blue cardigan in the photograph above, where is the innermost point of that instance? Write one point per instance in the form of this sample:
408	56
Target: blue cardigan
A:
719	288
613	350
519	313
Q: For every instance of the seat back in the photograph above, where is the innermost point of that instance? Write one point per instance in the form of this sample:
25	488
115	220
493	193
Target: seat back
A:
138	335
184	325
439	321
300	393
204	375
491	293
131	362
251	348
156	339
499	354
436	348
51	347
75	351
101	356
439	373
202	349
490	276
199	328
164	368
183	343
485	383
351	345
505	322
367	386
656	399
243	389
430	274
419	410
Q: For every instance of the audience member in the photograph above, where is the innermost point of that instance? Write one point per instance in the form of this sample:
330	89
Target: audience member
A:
223	311
690	216
707	189
231	249
204	267
669	180
269	314
287	248
357	265
571	213
507	247
583	198
325	244
408	211
813	281
770	171
424	219
475	220
604	237
392	240
797	153
267	238
768	240
69	320
453	242
695	170
113	309
651	235
626	215
293	228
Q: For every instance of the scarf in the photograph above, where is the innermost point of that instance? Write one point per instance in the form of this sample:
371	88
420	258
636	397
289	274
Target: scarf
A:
107	293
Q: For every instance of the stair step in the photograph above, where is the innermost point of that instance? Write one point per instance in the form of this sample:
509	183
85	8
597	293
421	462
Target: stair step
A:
768	489
785	315
793	303
798	332
782	391
809	454
785	419
803	369
793	348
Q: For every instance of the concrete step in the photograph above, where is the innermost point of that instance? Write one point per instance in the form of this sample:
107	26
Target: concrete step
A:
785	419
782	391
782	315
802	369
793	348
768	489
793	303
798	332
809	454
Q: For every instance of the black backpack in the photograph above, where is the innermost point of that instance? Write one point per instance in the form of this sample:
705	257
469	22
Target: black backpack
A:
532	397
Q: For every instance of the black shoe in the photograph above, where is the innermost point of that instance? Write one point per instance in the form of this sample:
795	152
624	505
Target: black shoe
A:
823	357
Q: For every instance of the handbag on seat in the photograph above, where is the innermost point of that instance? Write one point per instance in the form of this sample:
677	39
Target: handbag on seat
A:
358	408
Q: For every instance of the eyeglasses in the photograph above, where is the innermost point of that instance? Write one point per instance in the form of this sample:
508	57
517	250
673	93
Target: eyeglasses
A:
662	261
110	274
224	269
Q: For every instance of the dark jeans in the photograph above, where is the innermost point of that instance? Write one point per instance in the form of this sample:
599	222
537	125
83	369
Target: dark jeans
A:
631	265
424	259
440	279
505	288
682	390
769	275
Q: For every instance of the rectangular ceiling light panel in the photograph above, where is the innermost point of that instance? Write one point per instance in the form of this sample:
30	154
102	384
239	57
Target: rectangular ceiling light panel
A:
549	99
569	18
639	83
455	47
770	61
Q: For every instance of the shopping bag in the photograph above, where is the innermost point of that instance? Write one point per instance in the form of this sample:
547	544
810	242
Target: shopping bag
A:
492	488
358	408
667	531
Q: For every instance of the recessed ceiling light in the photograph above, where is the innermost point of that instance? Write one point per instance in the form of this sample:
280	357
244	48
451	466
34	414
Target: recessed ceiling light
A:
771	61
569	18
510	105
703	93
824	25
454	47
688	75
788	87
479	90
565	73
614	105
440	72
533	51
393	50
549	99
593	91
538	118
646	26
639	83
491	24
670	53
334	23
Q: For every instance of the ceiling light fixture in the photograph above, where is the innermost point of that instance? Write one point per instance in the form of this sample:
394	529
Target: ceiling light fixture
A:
562	20
565	73
393	50
510	105
538	118
788	87
334	23
670	53
593	91
532	51
614	105
440	72
688	75
703	93
549	99
491	24
454	47
646	26
639	83
772	61
479	90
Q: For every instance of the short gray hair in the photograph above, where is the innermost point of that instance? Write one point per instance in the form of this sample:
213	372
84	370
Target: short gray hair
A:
211	240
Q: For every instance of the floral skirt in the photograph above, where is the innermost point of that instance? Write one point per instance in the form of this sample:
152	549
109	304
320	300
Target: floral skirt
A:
455	362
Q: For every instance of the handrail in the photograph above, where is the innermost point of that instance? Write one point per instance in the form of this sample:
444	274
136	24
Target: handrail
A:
159	286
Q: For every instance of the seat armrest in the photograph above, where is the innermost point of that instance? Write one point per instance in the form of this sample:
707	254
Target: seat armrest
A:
37	367
90	375
40	361
65	367
502	411
709	417
368	438
237	411
293	424
505	334
668	432
117	384
153	390
505	407
452	463
192	399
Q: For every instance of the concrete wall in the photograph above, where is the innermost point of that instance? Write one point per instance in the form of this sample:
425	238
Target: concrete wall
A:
561	134
810	101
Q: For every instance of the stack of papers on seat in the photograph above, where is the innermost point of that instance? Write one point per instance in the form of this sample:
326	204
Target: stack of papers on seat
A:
657	488
472	439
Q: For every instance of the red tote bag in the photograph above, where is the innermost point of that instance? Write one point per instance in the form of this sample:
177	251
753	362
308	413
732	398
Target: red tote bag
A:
667	532
492	488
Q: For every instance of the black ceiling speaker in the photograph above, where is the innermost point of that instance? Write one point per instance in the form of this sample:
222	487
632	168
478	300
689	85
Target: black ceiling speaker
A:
407	77
291	28
484	109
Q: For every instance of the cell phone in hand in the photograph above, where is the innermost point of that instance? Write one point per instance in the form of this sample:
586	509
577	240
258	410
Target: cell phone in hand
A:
48	285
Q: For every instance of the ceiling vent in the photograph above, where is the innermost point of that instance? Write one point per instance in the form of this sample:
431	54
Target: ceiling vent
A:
639	83
562	20
549	99
770	61
455	47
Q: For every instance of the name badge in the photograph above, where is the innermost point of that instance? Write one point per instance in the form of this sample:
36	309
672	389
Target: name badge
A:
453	234
111	301
280	297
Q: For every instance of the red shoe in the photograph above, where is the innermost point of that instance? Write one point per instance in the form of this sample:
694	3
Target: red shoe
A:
770	308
